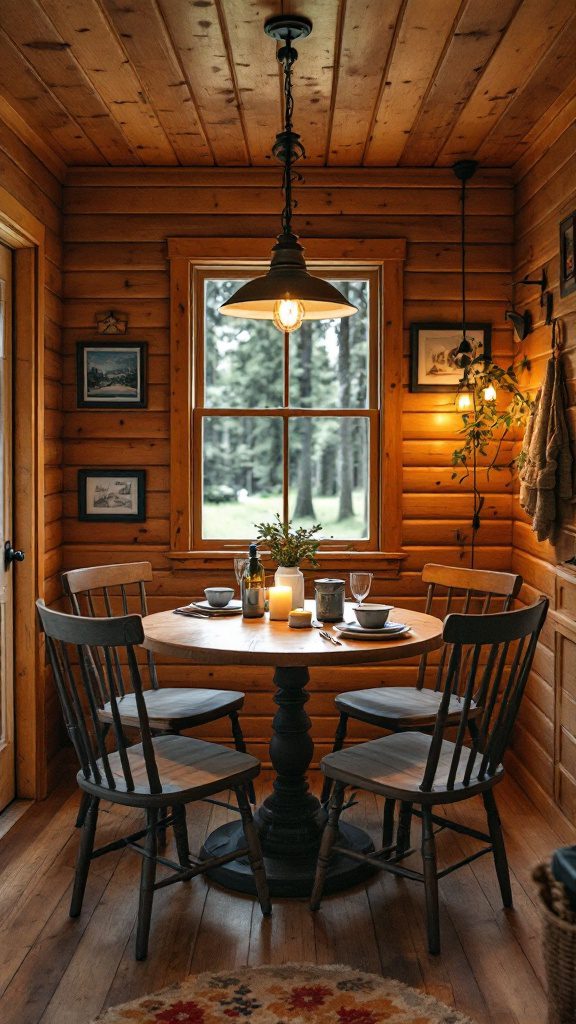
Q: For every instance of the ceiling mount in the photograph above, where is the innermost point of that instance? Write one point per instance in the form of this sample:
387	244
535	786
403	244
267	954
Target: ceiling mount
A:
465	169
283	26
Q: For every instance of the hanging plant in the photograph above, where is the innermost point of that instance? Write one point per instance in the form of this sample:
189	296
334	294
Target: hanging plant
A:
485	422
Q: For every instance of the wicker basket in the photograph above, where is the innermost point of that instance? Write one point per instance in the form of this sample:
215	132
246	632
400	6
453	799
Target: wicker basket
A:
559	937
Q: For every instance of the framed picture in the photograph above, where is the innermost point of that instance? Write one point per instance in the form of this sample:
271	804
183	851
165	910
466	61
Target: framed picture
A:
567	261
433	349
112	495
111	376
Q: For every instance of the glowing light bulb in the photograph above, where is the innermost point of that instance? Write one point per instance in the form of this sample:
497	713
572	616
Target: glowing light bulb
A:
464	401
288	314
490	393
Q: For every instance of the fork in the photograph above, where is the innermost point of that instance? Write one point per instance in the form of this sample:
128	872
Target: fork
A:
332	639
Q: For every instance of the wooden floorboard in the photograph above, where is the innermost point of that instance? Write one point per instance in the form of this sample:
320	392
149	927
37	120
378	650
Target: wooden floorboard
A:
57	971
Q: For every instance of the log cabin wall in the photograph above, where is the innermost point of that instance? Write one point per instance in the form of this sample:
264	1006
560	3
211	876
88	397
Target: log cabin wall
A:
37	187
115	230
545	752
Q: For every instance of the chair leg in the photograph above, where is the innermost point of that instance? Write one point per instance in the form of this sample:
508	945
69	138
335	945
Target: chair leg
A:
181	835
254	851
83	808
162	831
388	823
240	745
329	837
147	879
338	744
84	854
430	881
499	849
404	827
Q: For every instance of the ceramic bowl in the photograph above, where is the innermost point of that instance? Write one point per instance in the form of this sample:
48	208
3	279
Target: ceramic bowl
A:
219	597
372	616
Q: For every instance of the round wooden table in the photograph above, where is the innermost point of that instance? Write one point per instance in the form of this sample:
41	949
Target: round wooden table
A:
291	819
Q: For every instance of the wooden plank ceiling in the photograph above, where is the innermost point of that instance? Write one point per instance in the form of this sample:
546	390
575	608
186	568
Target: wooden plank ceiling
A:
195	82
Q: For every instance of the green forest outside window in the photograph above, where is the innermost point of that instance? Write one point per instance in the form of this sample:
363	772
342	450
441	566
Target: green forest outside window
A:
286	423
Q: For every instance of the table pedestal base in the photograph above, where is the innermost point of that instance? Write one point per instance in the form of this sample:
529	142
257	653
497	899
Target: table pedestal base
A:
290	821
287	876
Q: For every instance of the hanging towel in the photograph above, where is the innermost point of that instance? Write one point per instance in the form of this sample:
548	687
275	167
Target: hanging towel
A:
547	473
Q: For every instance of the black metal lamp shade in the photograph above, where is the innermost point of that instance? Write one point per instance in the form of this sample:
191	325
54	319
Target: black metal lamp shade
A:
287	280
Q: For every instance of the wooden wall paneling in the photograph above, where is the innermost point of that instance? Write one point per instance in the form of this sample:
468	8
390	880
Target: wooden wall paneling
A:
104	249
146	41
544	193
97	50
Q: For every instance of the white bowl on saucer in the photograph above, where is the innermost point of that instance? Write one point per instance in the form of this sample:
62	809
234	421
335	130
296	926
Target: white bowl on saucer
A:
219	597
372	616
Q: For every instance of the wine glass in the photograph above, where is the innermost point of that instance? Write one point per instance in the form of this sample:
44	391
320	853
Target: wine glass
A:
360	583
240	564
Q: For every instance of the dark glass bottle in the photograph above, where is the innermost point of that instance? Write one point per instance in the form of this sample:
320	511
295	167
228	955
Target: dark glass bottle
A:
253	586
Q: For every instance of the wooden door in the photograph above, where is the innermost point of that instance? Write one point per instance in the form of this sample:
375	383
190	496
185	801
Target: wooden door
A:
7	758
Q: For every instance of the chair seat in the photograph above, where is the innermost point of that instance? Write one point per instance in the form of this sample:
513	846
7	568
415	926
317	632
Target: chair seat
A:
394	766
189	769
397	707
176	708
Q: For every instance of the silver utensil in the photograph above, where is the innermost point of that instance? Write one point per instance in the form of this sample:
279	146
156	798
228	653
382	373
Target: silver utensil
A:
332	639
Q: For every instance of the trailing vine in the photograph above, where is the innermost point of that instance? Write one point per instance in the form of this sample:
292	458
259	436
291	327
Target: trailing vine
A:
485	422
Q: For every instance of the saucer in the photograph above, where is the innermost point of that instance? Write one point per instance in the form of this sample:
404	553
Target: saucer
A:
354	631
234	607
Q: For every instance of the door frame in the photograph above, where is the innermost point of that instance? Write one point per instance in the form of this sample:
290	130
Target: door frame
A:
25	235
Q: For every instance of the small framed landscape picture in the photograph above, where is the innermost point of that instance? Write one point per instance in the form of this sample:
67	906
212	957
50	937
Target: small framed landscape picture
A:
433	349
112	495
567	260
111	376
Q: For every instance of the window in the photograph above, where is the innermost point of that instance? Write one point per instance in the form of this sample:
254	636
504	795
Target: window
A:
286	423
305	424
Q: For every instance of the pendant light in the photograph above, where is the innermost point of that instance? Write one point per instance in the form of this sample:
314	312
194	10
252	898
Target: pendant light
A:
288	294
464	169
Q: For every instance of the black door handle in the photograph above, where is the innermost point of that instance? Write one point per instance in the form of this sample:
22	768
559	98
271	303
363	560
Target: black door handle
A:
10	555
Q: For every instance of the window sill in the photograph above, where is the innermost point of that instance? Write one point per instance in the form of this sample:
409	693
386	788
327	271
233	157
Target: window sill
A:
384	564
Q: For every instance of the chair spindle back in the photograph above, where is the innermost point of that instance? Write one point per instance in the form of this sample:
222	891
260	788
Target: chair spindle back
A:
82	691
497	652
110	590
465	591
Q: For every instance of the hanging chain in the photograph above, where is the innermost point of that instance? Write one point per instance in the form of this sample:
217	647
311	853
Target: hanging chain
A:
288	147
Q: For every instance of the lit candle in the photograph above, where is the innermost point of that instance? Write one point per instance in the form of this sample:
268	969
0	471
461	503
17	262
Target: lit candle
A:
280	602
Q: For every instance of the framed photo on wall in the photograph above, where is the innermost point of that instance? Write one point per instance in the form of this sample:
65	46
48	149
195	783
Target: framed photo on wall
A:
111	376
567	260
112	495
433	348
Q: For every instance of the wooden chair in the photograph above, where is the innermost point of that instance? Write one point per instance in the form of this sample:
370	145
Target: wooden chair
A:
104	589
160	772
402	708
429	770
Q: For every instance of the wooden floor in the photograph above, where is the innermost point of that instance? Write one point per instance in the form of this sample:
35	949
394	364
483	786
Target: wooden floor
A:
59	971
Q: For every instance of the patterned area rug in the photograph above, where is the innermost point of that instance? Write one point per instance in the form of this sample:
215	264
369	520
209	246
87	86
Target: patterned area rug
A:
292	994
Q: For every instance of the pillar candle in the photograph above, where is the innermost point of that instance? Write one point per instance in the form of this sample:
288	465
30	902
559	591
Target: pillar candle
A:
280	602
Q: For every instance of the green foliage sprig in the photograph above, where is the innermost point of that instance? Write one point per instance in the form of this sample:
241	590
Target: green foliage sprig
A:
289	547
485	422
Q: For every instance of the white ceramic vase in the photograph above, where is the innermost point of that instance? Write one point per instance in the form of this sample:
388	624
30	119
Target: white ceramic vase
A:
291	576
